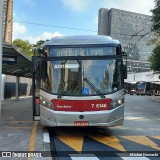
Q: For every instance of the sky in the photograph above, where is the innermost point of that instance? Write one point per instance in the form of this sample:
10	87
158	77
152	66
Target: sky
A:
35	20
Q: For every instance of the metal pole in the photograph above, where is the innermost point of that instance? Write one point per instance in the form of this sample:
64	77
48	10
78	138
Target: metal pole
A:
17	88
1	47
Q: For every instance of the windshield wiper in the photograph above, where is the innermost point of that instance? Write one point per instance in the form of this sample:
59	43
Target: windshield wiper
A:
66	88
94	87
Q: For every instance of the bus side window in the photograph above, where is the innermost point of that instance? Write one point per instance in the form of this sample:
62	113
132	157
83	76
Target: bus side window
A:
147	86
43	70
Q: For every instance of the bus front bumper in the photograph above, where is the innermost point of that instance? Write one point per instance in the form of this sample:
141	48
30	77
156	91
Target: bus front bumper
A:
106	118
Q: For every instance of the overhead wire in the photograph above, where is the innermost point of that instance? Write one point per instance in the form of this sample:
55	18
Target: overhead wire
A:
71	28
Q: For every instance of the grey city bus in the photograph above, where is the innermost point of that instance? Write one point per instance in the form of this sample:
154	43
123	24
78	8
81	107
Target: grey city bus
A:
79	81
145	88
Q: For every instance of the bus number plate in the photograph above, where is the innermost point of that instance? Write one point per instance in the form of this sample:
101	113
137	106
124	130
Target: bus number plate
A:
81	123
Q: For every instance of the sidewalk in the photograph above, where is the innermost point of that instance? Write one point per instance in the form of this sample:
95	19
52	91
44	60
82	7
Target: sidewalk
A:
18	132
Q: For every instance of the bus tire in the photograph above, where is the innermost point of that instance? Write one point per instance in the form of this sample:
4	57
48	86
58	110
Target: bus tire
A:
151	94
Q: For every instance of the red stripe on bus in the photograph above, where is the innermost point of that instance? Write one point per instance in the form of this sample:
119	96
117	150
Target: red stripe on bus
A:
81	105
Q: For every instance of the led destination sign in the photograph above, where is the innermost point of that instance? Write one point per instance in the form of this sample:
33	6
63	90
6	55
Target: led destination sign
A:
103	51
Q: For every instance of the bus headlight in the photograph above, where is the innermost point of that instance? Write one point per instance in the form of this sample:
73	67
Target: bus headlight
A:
116	103
46	104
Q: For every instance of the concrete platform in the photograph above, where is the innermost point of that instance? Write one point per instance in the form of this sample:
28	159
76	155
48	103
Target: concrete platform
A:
19	133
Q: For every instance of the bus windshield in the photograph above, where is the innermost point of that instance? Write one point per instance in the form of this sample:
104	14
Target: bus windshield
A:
82	77
141	85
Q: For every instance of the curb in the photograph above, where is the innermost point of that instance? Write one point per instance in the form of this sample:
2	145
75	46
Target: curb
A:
46	143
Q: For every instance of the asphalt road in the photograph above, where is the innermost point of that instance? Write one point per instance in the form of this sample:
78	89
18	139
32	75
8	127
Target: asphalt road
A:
142	117
139	135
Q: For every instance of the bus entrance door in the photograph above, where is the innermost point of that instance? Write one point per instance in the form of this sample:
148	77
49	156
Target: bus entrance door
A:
36	86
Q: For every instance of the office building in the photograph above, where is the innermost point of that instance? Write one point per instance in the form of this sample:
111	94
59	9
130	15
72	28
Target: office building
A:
7	20
133	31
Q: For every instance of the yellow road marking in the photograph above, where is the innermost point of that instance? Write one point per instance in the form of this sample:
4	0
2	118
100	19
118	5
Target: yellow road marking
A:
33	137
142	140
74	142
111	141
32	141
157	137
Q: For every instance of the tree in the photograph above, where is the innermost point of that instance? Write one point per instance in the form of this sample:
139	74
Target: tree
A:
25	46
155	59
156	17
39	43
156	22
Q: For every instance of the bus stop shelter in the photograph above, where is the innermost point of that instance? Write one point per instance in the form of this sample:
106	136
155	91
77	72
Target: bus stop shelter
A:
15	63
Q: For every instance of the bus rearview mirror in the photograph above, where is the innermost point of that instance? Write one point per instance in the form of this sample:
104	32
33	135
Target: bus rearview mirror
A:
125	71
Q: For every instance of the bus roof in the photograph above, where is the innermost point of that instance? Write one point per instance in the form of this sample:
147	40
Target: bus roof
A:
132	82
82	40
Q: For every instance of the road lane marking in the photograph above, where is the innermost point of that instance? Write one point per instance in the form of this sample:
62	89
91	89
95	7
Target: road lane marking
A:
32	141
46	138
157	137
135	158
78	142
142	140
74	142
111	141
86	157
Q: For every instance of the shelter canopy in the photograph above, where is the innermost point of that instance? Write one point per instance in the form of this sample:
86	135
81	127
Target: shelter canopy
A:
14	62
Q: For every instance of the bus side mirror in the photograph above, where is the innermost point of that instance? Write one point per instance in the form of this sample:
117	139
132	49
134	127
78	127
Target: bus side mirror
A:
124	55
125	71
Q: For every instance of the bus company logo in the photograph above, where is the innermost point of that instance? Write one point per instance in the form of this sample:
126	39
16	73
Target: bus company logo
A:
64	106
6	154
